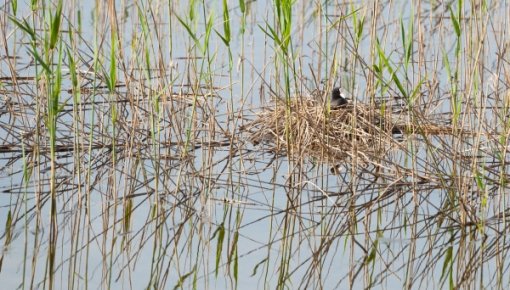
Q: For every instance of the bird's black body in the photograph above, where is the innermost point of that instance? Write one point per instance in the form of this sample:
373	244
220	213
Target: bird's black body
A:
337	98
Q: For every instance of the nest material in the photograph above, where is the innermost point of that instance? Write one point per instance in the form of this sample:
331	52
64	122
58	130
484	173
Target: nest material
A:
307	129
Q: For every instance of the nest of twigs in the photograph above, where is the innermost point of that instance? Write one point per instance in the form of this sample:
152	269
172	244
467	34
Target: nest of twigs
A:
306	128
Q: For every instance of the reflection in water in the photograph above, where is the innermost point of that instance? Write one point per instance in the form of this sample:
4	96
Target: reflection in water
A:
189	146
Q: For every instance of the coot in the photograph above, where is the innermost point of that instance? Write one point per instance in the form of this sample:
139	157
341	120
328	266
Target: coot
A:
338	99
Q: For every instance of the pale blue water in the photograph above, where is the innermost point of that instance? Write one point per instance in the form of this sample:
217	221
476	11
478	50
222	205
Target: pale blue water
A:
195	198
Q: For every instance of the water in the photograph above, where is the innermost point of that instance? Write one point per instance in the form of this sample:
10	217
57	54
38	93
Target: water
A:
181	196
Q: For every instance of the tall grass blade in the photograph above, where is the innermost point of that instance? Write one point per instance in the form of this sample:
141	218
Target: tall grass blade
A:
55	25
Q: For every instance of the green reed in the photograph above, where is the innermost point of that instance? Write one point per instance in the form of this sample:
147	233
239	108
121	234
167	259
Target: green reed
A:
192	246
52	76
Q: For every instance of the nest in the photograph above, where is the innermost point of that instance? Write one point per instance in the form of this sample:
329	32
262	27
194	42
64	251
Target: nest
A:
306	128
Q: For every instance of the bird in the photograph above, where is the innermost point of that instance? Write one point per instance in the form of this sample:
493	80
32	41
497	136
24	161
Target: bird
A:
338	98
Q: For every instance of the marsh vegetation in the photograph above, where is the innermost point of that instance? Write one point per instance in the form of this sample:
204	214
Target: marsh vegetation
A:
191	145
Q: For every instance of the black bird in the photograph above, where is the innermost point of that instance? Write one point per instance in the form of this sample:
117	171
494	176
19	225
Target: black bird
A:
338	99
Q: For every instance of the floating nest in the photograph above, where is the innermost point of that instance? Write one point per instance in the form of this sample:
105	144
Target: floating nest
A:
306	128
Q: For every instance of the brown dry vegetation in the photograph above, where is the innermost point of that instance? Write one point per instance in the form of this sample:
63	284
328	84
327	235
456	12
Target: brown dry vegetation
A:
179	144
